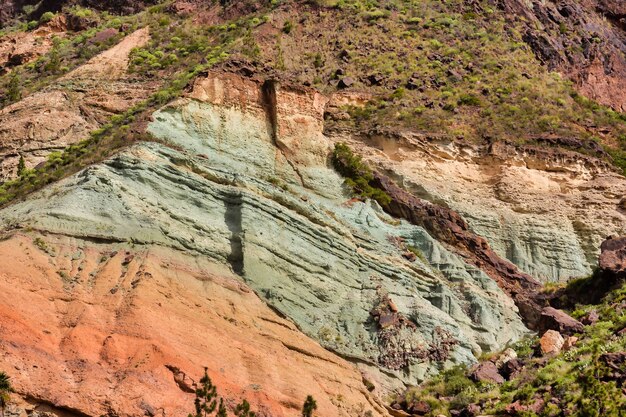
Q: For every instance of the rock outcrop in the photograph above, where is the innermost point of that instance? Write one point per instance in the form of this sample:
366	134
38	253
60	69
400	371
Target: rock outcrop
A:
240	182
612	260
95	328
20	48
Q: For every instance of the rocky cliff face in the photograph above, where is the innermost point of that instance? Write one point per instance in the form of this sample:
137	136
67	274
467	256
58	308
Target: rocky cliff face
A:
547	211
241	183
246	187
226	238
96	328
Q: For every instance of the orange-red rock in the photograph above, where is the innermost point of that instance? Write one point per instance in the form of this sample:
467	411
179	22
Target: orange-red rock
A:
84	327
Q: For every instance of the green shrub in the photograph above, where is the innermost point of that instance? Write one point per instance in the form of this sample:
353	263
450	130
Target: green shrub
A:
357	174
46	17
287	26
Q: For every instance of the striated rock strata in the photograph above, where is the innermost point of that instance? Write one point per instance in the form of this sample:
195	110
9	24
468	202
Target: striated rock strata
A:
92	328
246	185
545	210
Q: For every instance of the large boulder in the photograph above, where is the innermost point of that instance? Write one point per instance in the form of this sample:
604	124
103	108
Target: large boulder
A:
487	372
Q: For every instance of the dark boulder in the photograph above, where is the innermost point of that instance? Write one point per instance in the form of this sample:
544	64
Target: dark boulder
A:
612	260
346	82
486	372
558	320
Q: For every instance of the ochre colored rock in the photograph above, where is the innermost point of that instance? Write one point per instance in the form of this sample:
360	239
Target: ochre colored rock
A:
570	342
551	342
66	112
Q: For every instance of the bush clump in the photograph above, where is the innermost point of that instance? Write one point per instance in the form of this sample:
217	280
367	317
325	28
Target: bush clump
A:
358	176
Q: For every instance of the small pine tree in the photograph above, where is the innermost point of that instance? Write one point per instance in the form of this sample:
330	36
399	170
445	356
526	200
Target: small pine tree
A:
243	410
310	405
206	397
14	92
54	61
21	167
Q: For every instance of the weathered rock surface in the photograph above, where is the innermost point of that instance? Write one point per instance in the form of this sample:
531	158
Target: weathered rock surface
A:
245	190
487	372
66	112
545	210
449	227
23	47
99	329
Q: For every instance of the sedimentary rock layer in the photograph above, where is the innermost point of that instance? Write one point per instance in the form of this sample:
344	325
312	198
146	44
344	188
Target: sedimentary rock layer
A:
544	209
106	329
244	190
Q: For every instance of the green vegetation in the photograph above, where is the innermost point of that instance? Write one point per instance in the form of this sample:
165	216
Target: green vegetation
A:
205	47
309	407
443	69
358	176
67	53
576	382
5	391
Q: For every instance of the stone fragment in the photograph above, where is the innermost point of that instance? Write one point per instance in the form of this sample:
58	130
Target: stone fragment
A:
419	408
511	369
613	257
486	372
346	82
551	342
472	410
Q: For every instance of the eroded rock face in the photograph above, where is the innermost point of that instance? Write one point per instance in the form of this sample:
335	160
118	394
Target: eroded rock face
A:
66	113
545	210
244	190
100	329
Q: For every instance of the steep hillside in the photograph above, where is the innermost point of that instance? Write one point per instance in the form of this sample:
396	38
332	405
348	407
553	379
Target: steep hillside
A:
342	199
